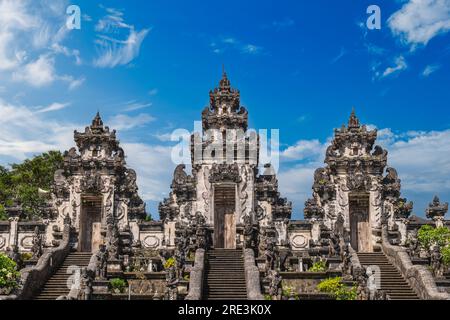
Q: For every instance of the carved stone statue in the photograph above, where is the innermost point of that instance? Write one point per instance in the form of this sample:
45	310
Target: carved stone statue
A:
171	284
249	232
36	248
436	262
102	259
413	244
274	280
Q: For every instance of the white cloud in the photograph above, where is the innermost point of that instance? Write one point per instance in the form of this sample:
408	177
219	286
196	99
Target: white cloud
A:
418	21
53	107
430	69
75	83
224	43
25	132
134	105
154	167
31	33
251	49
400	65
302	150
38	73
112	51
153	92
125	122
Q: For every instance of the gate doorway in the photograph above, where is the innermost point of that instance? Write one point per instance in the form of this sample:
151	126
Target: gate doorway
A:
224	216
90	236
360	230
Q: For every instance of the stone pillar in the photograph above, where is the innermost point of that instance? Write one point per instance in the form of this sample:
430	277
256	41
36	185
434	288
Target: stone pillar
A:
13	236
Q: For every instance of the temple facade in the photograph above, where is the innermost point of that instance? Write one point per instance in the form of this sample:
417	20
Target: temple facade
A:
225	187
224	230
356	193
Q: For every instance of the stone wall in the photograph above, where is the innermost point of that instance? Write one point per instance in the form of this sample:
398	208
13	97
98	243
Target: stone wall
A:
419	277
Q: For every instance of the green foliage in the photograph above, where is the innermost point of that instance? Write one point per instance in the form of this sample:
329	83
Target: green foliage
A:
118	284
9	276
148	217
26	256
337	289
290	292
446	255
429	236
169	263
267	297
186	277
22	182
319	266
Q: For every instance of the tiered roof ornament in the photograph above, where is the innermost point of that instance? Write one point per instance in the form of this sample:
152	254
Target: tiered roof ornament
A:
96	138
224	110
437	210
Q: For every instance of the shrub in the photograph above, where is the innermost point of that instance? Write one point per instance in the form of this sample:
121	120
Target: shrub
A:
429	236
26	256
446	255
319	266
9	276
169	263
337	289
118	284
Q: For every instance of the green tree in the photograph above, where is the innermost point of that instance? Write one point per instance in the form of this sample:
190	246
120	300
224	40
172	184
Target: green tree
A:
9	276
23	180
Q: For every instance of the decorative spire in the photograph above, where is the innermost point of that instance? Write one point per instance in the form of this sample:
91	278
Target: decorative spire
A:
353	122
224	83
97	121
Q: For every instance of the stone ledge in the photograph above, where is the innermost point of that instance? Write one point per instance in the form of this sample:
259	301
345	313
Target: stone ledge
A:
418	276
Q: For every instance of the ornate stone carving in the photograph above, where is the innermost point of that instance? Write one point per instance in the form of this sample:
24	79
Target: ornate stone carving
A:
36	249
313	210
225	173
437	210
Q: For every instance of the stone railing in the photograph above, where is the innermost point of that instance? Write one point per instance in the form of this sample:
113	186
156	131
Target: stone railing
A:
354	260
419	277
252	279
35	277
196	276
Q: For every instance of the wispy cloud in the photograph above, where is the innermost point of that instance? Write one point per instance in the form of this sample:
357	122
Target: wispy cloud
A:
224	43
53	107
134	105
125	122
284	23
400	65
112	51
153	92
342	53
31	36
429	69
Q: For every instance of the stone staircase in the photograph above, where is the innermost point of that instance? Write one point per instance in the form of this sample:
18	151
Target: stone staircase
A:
57	284
392	281
224	275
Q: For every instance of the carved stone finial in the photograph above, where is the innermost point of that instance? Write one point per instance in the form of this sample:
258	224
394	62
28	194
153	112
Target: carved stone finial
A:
97	121
353	122
436	210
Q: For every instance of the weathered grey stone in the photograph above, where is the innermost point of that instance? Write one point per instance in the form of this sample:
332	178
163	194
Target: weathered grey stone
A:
419	277
196	277
252	276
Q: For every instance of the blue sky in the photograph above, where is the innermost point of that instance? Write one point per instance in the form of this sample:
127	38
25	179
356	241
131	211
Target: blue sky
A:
300	65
